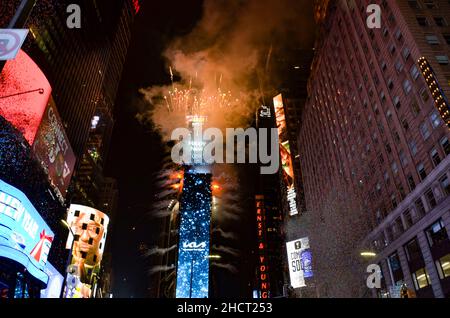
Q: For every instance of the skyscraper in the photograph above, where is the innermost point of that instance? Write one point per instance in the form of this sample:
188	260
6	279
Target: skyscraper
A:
374	145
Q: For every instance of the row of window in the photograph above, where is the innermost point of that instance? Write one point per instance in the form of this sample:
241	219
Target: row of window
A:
427	4
435	234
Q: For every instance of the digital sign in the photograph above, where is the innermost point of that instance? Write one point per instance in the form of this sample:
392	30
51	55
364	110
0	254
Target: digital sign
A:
300	261
194	236
90	227
24	93
263	268
52	149
55	282
24	235
285	154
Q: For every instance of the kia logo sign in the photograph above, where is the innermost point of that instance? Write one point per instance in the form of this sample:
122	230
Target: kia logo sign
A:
11	41
194	246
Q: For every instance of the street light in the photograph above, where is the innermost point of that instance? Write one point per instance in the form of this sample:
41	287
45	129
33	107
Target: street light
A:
368	254
69	258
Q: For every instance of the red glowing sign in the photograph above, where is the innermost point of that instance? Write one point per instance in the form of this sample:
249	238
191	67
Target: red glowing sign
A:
263	276
24	93
137	6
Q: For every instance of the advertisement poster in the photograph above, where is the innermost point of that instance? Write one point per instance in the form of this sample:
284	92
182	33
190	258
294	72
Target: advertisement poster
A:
285	154
52	149
300	261
90	228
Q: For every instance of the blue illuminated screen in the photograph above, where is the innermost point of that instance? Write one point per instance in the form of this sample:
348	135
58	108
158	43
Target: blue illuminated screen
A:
24	235
194	237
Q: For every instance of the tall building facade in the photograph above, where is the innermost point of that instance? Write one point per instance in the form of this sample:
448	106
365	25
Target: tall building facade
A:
374	134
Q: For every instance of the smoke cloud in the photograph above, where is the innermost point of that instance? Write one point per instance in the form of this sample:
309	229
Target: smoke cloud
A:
225	56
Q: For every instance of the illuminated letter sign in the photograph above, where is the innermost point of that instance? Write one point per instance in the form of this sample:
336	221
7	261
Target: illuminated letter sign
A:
263	275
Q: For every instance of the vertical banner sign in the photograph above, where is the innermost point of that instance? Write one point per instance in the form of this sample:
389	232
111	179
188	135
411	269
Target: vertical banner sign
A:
263	268
52	149
285	154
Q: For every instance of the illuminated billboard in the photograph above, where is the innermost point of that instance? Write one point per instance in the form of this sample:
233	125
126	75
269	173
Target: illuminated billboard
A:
52	149
285	154
300	261
24	93
194	236
24	235
55	282
90	228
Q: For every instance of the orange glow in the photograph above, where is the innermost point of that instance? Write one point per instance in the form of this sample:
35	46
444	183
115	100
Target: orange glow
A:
215	186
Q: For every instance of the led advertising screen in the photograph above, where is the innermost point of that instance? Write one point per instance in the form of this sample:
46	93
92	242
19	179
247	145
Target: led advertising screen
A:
24	235
52	148
55	282
300	261
285	154
24	93
194	237
90	227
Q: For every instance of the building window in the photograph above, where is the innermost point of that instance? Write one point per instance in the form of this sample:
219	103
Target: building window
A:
406	53
390	84
421	278
422	21
436	120
394	167
436	233
445	184
429	195
420	207
397	102
412	250
399	66
413	147
393	201
447	38
399	35
421	171
403	158
392	49
440	21
443	266
411	183
414	72
405	124
432	39
424	94
415	108
408	218
442	59
430	4
435	157
424	130
407	86
414	4
445	145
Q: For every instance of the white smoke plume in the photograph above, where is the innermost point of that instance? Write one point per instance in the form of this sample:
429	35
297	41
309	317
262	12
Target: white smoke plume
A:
226	249
159	268
228	267
159	251
227	235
